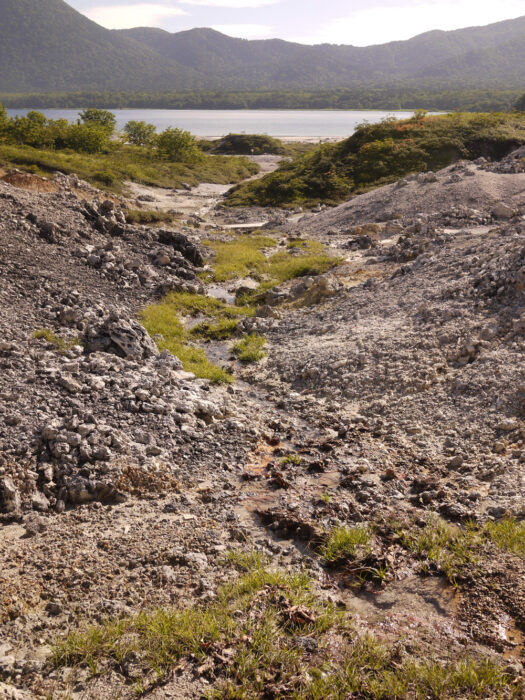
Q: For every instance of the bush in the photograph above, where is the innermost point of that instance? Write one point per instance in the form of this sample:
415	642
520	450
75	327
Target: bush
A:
105	178
140	133
99	118
377	154
30	130
88	138
246	144
179	146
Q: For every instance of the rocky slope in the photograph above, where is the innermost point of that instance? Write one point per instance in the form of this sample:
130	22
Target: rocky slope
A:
393	388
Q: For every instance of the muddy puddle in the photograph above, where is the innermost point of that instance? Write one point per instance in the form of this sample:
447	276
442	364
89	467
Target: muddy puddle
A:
413	607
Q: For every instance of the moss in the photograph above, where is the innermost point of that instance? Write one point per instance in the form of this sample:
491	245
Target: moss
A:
162	320
56	341
221	330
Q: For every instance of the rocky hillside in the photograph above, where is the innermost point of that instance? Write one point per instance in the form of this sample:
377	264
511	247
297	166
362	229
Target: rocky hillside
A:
359	489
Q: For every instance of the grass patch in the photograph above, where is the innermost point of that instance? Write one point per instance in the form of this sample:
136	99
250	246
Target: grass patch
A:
164	320
269	634
221	330
110	170
148	216
508	535
344	542
450	548
245	256
198	305
55	340
250	348
239	257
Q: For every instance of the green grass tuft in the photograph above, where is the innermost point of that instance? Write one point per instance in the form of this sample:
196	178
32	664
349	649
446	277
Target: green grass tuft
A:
162	319
508	534
449	547
55	340
250	348
239	257
344	542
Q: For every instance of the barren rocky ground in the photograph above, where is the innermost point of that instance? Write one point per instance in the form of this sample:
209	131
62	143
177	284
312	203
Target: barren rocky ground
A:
393	394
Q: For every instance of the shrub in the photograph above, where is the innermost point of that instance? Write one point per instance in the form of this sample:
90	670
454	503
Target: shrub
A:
140	133
87	138
383	152
246	144
179	146
105	178
30	130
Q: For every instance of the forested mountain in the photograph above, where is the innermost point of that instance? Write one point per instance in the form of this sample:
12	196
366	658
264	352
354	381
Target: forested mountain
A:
48	46
481	56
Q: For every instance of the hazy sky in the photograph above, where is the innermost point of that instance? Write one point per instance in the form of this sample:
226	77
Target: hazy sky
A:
358	22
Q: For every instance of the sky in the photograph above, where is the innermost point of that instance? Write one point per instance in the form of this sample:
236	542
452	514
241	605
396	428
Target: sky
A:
357	22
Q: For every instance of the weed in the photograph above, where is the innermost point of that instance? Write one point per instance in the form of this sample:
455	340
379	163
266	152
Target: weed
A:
250	348
343	542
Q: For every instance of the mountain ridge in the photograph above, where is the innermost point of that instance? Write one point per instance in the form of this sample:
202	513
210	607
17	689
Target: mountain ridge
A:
49	47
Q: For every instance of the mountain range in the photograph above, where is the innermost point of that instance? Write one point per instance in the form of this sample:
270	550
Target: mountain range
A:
48	46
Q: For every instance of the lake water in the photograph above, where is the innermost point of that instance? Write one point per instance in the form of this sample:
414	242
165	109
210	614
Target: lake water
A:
285	124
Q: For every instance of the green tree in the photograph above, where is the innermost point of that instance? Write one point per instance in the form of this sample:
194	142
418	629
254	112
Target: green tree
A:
87	138
98	117
30	130
140	133
179	146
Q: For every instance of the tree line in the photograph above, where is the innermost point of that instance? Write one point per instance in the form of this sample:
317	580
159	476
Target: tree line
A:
384	98
94	132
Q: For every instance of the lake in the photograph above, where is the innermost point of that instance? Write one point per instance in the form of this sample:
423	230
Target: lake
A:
285	124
